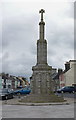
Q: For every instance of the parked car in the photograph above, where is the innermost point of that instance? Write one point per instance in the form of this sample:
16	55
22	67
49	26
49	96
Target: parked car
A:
6	94
19	87
22	91
70	89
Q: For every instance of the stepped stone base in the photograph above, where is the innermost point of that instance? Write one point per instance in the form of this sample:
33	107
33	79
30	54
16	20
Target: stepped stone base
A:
33	98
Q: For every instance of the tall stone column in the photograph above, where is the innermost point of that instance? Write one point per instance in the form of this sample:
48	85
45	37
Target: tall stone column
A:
41	43
41	81
41	77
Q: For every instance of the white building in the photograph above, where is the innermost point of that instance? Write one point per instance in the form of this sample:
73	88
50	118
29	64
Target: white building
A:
0	82
70	75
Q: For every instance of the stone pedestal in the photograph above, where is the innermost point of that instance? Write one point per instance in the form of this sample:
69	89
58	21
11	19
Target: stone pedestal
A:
41	79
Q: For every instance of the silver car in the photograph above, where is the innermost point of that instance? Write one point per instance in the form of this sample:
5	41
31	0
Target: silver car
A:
6	94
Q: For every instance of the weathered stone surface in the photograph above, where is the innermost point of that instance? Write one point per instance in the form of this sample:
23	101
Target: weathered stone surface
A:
41	81
41	77
41	52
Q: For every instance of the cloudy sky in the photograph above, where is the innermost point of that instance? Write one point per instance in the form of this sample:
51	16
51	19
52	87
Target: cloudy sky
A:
20	32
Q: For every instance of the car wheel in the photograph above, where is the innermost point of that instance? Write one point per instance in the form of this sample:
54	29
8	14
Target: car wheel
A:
70	92
62	92
12	96
73	92
6	97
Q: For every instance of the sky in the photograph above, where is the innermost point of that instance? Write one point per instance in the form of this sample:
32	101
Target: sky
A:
19	32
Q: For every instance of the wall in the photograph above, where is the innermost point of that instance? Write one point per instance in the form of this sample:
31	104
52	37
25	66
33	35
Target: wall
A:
0	82
70	75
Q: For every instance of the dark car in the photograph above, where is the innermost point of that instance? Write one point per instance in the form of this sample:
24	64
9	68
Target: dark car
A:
22	91
6	94
70	89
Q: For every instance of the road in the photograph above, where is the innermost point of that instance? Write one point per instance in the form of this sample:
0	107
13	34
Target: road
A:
65	95
0	110
51	111
68	96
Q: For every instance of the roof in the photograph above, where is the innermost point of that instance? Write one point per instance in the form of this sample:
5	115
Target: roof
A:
72	61
55	76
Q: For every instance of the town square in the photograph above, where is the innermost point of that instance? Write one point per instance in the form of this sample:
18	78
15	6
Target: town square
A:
38	68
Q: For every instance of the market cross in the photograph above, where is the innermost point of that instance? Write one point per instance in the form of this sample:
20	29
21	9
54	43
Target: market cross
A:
41	77
42	11
41	81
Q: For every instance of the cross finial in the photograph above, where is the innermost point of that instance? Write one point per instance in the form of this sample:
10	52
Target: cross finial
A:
42	11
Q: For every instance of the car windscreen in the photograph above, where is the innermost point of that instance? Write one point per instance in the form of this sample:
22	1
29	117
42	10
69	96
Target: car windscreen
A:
4	91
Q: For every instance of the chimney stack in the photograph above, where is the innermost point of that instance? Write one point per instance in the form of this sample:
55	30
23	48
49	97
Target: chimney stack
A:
60	71
67	66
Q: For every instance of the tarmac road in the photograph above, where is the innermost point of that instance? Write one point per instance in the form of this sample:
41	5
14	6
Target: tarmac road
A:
52	111
67	95
0	110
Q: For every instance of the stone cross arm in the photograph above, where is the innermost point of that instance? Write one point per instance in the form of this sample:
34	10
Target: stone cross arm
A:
42	11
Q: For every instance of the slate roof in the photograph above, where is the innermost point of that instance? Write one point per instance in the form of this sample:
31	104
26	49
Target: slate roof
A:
55	76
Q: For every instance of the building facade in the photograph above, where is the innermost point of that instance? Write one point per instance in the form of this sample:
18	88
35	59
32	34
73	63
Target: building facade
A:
68	76
13	82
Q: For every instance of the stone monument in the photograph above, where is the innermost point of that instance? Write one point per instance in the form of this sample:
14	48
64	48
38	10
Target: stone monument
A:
41	82
41	77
